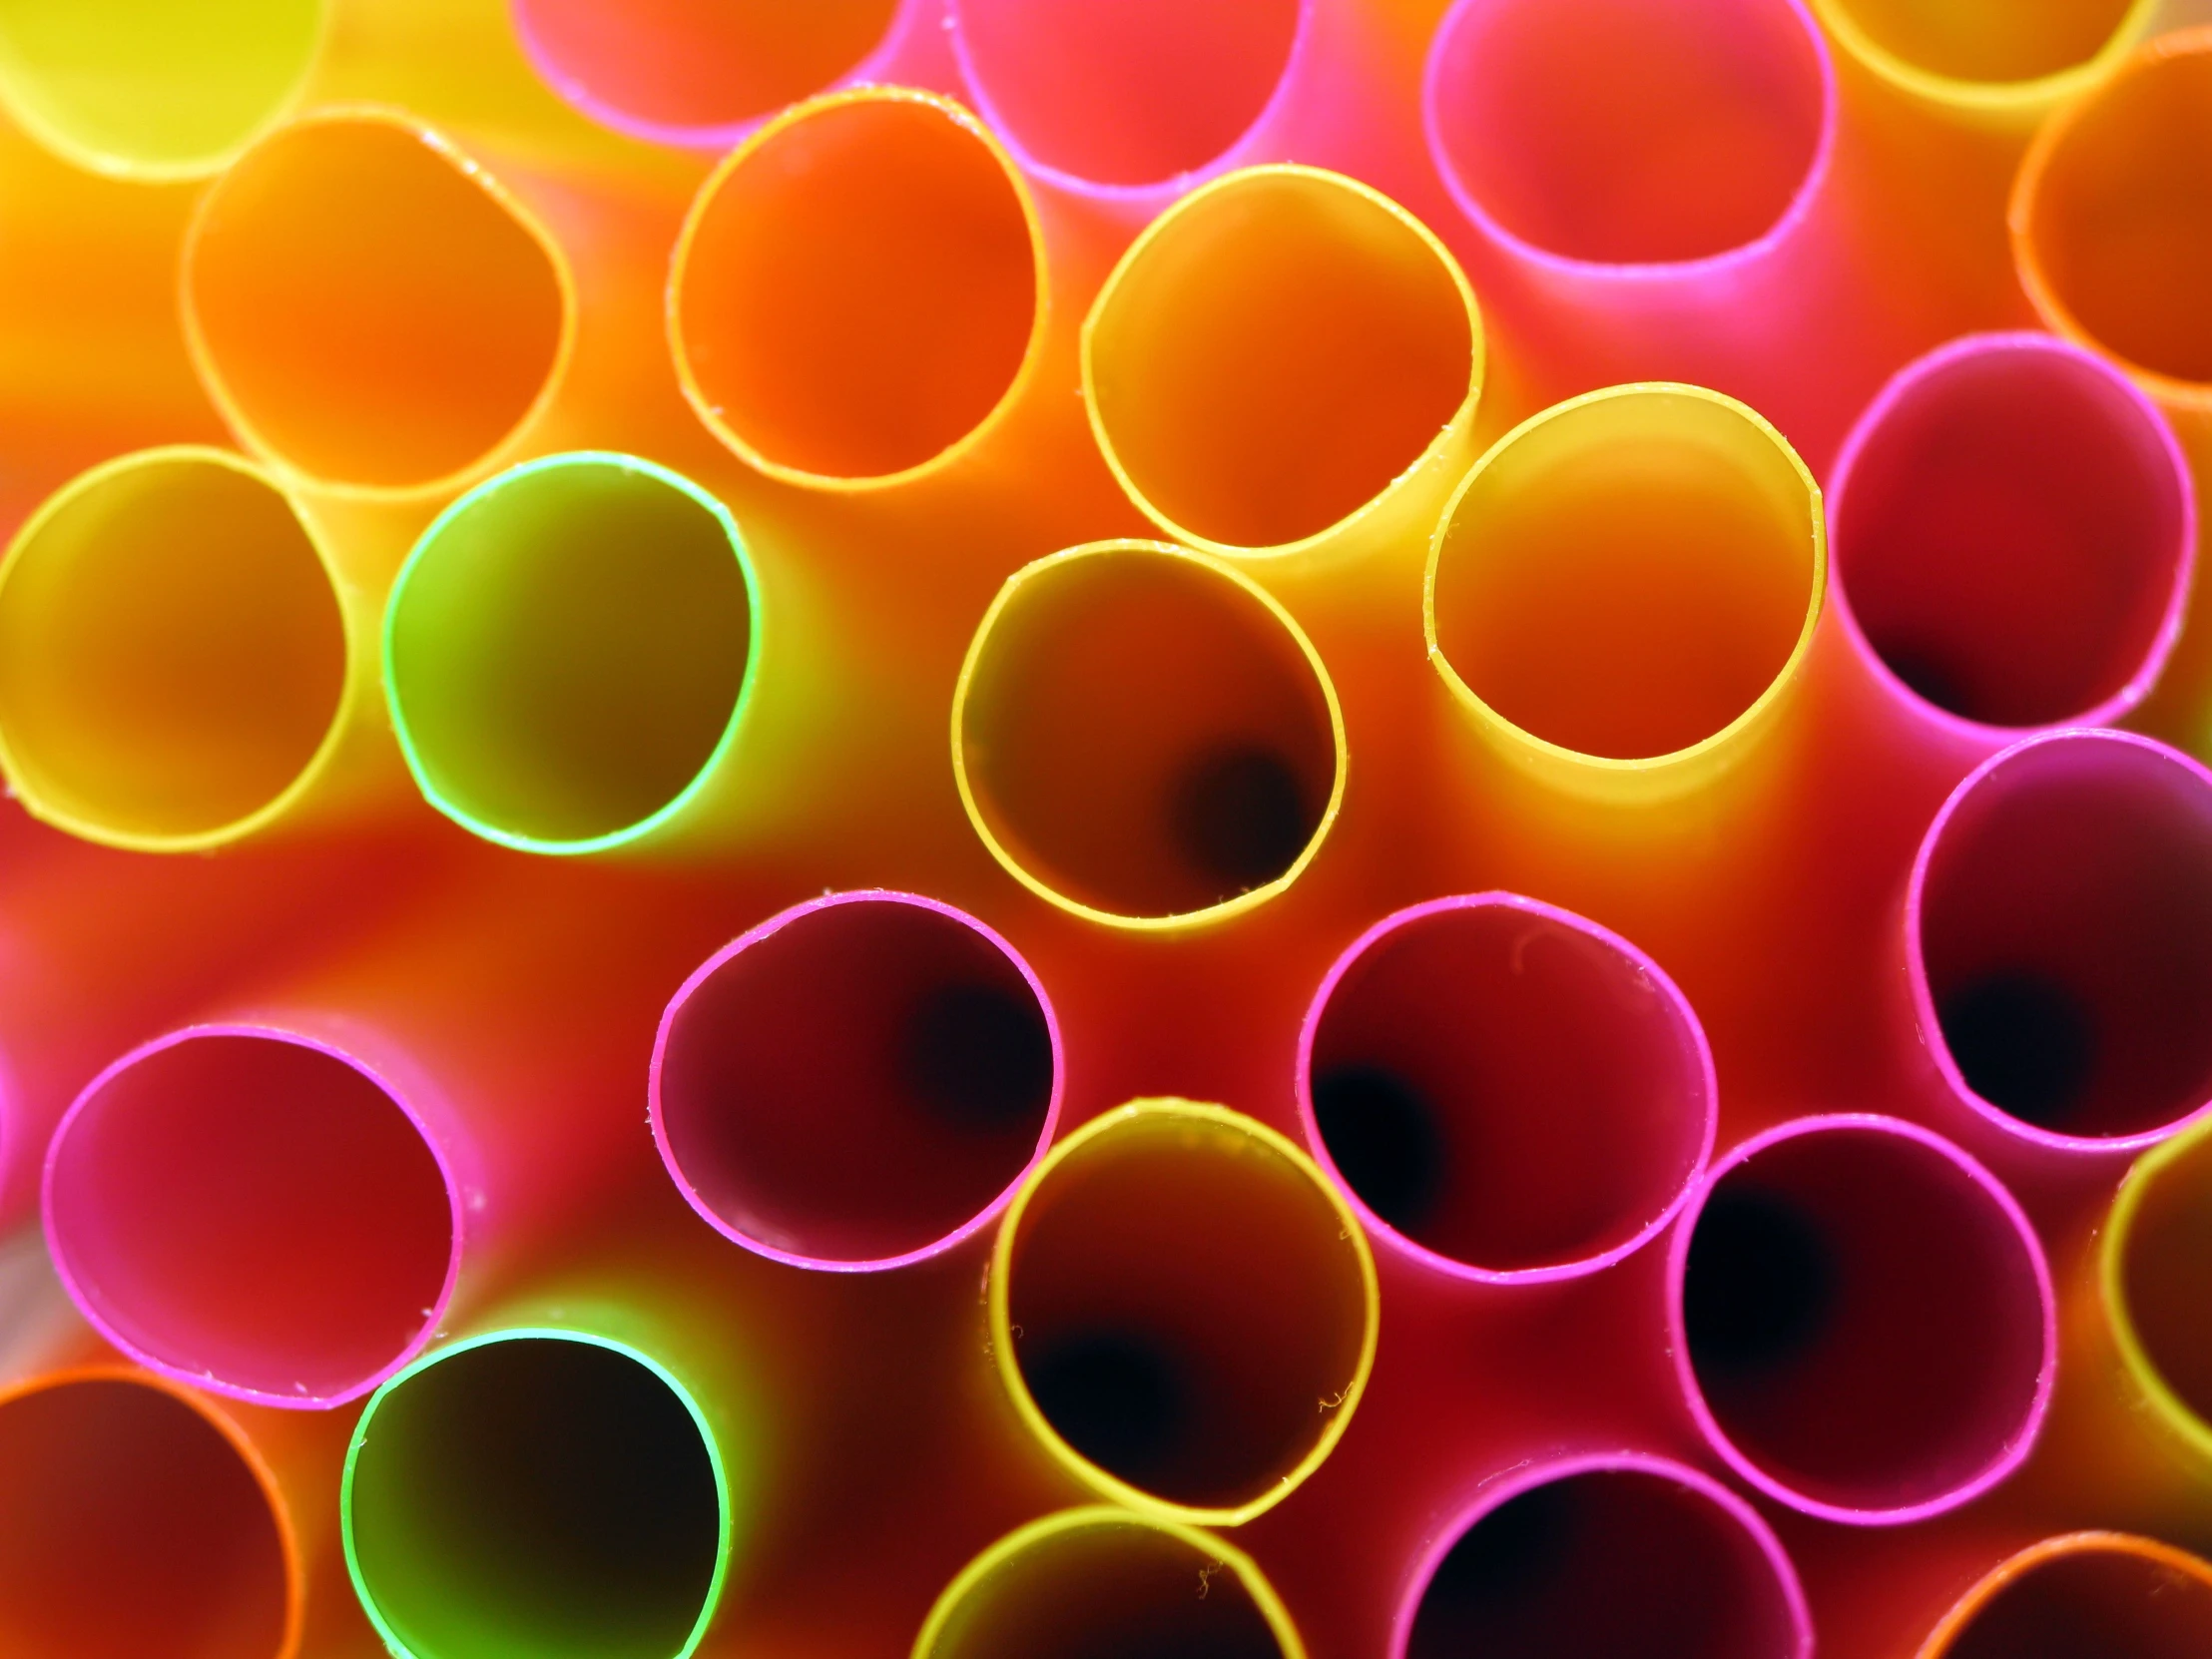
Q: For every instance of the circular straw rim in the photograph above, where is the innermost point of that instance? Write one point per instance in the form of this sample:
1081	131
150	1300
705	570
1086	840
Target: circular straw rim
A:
724	1521
256	1466
1753	713
1460	419
344	714
656	1115
1102	1517
1500	1488
1251	897
2017	1567
1152	193
2194	397
1705	266
2018	1445
88	1305
1336	1416
250	437
1678	1005
700	781
1894	393
1025	374
57	140
1925	1017
2175	1415
2028	97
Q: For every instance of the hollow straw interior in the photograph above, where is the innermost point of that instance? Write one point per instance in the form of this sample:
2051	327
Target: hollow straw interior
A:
1274	354
1631	573
856	1082
2096	1595
1637	1558
1508	1086
368	307
2158	1270
173	655
1629	132
1102	1583
254	1213
1196	1314
2059	936
1143	735
536	1493
132	1524
568	650
858	288
1866	1322
1138	93
1991	42
2013	528
693	71
152	91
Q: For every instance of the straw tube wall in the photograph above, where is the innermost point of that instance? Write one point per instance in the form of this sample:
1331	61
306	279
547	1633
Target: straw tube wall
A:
1183	1311
2002	66
2154	1263
1285	363
858	1083
1862	1320
1508	1092
2084	1592
1144	737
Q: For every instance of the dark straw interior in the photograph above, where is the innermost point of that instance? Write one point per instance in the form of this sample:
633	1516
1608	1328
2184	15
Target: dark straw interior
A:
2092	1604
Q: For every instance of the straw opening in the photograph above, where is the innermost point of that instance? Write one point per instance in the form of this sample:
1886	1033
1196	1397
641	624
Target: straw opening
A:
1992	42
2158	1251
2096	1596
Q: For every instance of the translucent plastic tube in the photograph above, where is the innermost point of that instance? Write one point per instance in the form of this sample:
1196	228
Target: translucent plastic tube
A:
2154	1261
2105	1593
1506	1091
154	92
859	295
1107	1580
1622	592
1129	101
2013	529
2002	62
569	652
858	1083
1284	361
1144	737
1862	1320
1611	1553
2058	944
1183	1311
370	309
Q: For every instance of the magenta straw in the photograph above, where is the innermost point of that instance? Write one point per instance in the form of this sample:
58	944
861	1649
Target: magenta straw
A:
255	1213
1604	1553
857	1084
2012	531
2058	944
1505	1091
1862	1320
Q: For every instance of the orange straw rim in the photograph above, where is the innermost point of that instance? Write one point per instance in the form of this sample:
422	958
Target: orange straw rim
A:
2014	1567
2030	98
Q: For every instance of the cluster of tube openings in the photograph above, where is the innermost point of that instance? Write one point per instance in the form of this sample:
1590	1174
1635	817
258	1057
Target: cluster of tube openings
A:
362	1301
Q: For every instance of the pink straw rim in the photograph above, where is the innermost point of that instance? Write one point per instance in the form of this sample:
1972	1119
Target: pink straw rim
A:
776	924
2016	1448
1706	265
1381	1231
1915	969
202	1380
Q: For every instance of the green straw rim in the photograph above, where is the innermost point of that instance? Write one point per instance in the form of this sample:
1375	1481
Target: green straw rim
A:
2172	1413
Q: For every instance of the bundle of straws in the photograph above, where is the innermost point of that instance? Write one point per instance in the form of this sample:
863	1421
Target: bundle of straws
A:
1105	828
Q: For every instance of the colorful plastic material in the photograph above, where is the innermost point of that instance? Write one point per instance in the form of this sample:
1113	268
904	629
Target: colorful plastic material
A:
2105	1593
2154	1266
1997	60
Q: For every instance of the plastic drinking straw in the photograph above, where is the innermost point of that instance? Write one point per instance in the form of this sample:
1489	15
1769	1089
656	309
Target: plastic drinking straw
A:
859	295
704	73
2154	1265
569	652
2084	1595
1108	1580
152	91
2058	944
1183	1311
1862	1320
371	311
2013	529
1129	102
2002	62
1623	591
858	1083
1284	361
1508	1092
1616	1552
176	670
